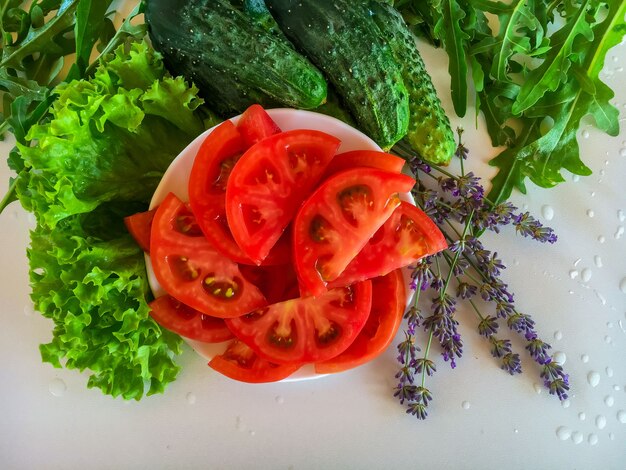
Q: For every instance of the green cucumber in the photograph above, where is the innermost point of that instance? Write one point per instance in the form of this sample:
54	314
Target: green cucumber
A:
232	59
429	132
342	39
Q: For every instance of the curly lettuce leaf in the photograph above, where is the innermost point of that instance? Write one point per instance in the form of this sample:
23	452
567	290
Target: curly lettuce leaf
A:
109	138
95	290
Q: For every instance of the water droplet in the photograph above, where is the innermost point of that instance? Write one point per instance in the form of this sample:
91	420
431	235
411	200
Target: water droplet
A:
609	401
608	339
577	262
280	400
191	398
563	433
601	238
565	403
537	388
600	297
609	372
597	261
585	134
547	212
620	215
29	310
622	285
577	437
465	405
582	416
600	421
621	416
611	436
576	178
57	387
622	152
584	358
592	439
585	275
558	335
619	232
516	431
251	432
573	274
559	357
593	378
616	387
590	213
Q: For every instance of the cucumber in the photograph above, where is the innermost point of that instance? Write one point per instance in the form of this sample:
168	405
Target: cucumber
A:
230	57
429	132
342	39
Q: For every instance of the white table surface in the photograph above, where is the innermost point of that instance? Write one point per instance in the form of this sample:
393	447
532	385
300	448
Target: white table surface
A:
480	417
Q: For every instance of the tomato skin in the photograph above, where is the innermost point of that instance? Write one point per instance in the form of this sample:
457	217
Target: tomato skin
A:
188	322
191	270
268	184
338	219
255	125
388	305
241	363
368	158
139	226
306	329
406	237
207	192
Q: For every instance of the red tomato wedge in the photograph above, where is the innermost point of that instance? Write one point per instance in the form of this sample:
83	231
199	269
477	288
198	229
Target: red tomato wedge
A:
277	283
139	226
188	322
388	305
207	192
191	270
369	158
241	363
255	125
338	219
407	236
309	329
268	184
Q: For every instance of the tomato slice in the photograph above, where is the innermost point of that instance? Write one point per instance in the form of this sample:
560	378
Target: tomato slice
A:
369	158
191	270
388	305
207	192
188	322
338	219
306	329
255	125
268	184
407	236
277	283
139	226
241	363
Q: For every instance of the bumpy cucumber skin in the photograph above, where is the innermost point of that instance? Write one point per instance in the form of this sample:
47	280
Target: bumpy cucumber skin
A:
341	38
429	132
231	58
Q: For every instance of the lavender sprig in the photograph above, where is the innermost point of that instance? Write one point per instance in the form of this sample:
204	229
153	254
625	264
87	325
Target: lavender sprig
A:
466	272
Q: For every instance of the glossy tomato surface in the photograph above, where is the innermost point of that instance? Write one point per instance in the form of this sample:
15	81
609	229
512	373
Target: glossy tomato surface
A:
407	236
139	226
241	363
338	219
188	322
368	158
255	124
309	329
388	305
268	184
209	175
191	270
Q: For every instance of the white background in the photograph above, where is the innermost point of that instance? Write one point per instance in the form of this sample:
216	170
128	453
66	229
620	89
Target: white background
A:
480	417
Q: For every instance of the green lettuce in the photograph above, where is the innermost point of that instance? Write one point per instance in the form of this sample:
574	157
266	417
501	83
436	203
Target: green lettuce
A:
96	157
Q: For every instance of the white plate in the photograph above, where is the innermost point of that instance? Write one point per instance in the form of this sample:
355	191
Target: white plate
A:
177	175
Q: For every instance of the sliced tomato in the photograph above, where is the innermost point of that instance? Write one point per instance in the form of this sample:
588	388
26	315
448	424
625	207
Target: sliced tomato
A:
139	226
407	236
309	329
255	125
191	270
241	363
277	283
388	305
338	219
268	184
188	322
207	192
369	158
